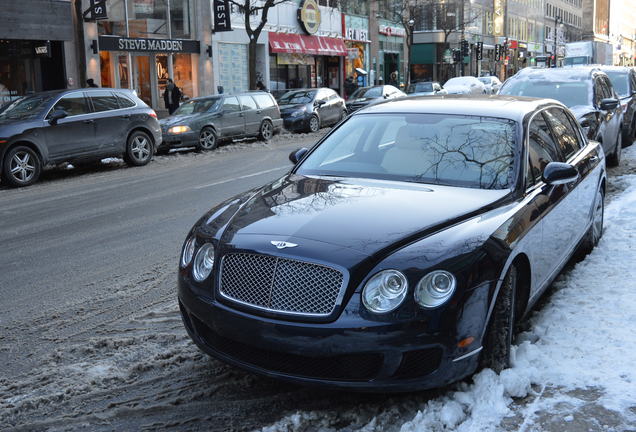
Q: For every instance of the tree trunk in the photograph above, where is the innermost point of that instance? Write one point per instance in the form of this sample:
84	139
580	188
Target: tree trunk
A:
252	62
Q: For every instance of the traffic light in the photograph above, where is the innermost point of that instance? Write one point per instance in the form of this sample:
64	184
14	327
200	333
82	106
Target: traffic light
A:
497	52
465	48
457	56
479	50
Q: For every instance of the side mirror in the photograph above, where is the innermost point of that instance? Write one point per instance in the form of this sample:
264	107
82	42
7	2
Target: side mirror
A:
57	115
320	102
609	104
585	122
558	173
297	155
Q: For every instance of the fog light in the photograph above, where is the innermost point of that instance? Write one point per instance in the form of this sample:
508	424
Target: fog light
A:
203	262
435	288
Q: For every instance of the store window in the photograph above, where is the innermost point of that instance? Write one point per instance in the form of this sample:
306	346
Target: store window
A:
149	18
116	22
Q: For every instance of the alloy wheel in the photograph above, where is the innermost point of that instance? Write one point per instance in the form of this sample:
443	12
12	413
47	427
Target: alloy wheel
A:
141	148
207	139
21	167
267	130
314	124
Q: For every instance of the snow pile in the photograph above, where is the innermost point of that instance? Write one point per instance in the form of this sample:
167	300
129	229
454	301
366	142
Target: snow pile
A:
577	359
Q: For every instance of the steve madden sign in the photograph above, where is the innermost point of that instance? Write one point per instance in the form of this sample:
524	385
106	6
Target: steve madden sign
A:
116	43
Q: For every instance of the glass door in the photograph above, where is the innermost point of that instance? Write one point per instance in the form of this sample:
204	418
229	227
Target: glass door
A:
141	78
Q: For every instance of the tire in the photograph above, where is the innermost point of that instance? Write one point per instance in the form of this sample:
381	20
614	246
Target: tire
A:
139	149
615	158
266	131
21	167
207	139
595	232
498	338
314	123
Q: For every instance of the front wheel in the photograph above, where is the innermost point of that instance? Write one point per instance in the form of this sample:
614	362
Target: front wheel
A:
21	167
138	149
498	339
207	139
266	131
314	123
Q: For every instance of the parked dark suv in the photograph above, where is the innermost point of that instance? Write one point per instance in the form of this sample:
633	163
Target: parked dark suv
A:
589	94
74	126
310	109
624	82
202	122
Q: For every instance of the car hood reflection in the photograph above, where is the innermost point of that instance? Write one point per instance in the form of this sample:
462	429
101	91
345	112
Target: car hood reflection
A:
360	214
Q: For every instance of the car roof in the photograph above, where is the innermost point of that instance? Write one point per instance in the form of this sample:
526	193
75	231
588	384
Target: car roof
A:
568	73
509	107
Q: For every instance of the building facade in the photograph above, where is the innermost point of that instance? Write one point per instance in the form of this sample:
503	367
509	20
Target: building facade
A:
37	47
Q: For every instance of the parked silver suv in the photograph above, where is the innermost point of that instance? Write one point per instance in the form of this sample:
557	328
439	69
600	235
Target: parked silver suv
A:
203	122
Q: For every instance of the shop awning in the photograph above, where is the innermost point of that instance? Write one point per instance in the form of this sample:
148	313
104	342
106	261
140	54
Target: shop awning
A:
304	44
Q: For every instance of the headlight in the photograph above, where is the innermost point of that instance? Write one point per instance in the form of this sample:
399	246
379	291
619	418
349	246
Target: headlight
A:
188	252
203	262
297	113
179	129
435	288
385	291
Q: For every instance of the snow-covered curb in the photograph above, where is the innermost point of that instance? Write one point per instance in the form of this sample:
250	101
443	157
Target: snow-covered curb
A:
579	342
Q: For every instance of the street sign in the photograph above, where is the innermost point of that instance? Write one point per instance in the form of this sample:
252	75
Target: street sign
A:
96	11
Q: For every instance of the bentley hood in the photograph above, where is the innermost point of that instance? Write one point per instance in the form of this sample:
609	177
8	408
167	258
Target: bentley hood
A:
359	214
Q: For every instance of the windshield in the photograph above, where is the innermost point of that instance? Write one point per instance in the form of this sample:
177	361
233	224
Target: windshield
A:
297	97
570	93
26	107
198	106
420	87
620	81
455	150
367	92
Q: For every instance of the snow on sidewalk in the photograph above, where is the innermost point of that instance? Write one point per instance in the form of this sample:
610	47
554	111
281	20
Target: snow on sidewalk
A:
575	369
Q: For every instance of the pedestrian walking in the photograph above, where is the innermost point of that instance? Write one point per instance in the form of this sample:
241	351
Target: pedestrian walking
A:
171	96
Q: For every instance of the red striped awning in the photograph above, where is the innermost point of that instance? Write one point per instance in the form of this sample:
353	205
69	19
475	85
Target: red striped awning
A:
304	44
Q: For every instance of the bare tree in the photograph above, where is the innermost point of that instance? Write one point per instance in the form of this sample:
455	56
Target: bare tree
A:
255	13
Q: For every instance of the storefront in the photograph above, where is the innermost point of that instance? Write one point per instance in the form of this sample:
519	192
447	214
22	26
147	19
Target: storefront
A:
142	44
300	61
390	54
36	47
356	63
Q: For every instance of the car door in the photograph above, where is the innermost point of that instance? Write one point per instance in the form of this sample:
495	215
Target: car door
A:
111	121
551	201
251	114
610	118
232	119
73	135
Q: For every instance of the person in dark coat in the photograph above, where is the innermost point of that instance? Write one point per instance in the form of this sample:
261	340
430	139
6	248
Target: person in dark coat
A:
171	96
91	83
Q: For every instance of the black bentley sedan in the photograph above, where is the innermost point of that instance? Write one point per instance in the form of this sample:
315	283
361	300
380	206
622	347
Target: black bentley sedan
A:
400	250
74	126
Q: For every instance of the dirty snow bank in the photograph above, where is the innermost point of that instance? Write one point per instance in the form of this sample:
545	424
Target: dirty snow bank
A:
578	349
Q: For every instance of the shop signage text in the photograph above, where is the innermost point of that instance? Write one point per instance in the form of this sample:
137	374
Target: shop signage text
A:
43	50
114	43
392	31
499	10
309	16
357	35
222	21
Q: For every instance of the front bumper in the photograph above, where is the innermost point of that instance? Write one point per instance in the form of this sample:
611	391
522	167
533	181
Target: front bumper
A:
295	124
349	353
187	139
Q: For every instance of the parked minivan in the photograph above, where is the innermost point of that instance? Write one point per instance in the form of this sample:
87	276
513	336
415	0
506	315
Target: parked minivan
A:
74	126
204	121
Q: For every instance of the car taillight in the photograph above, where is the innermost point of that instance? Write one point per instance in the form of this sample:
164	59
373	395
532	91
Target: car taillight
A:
152	114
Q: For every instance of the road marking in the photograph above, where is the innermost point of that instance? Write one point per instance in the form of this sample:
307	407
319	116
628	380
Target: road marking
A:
242	177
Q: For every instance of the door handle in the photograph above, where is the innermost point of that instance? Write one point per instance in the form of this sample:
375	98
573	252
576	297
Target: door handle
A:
89	121
258	111
125	116
240	114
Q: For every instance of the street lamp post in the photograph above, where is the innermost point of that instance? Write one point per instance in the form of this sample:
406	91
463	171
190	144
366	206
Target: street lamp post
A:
411	24
557	23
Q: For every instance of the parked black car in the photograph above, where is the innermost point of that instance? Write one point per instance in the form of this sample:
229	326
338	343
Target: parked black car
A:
204	121
74	126
310	109
425	88
624	82
400	250
365	96
587	91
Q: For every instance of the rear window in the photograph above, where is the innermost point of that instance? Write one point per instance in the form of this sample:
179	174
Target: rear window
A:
570	93
620	81
263	100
